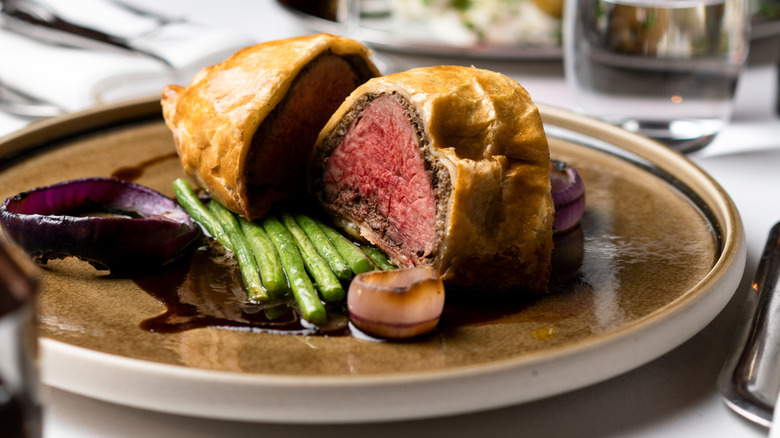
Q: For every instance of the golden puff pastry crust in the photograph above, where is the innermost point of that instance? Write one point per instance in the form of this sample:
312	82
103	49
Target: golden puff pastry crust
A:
244	128
486	159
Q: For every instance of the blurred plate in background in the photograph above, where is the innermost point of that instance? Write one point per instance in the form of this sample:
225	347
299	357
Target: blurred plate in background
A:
493	29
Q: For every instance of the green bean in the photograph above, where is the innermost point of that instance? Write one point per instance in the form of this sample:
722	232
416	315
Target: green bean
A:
274	312
309	303
324	247
268	262
326	281
241	250
354	257
378	257
190	201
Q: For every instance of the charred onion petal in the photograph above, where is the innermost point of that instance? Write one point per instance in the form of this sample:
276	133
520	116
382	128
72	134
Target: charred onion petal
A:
401	303
568	193
141	229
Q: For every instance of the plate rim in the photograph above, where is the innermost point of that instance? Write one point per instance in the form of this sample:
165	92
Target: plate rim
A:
96	377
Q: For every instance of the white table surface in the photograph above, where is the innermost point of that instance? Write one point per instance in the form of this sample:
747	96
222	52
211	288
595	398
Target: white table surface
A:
672	396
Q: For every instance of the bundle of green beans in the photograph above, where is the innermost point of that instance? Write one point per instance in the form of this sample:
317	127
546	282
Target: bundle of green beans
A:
285	252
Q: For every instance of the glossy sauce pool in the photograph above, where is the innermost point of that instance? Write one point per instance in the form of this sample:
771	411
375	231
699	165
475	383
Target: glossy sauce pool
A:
204	290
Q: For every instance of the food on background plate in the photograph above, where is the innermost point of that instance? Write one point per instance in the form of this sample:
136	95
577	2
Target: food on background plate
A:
446	167
244	128
498	22
531	23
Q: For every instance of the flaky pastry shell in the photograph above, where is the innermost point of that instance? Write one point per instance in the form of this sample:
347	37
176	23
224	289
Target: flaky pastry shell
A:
244	128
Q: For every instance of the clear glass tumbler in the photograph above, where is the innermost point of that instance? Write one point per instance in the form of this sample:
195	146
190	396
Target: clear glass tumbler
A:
20	411
667	69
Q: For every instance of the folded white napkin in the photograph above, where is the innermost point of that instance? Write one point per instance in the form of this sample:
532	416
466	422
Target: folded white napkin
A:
189	47
75	78
186	46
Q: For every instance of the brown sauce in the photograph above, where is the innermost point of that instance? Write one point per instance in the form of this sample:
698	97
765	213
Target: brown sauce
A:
205	290
132	173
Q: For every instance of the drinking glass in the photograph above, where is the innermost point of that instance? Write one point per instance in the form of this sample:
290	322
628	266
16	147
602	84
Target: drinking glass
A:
666	69
20	412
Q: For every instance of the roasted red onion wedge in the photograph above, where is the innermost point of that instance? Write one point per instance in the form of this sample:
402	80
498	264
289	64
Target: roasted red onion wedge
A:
396	304
112	224
568	193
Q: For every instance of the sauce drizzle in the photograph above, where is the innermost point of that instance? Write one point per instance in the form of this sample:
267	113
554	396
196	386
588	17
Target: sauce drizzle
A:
132	173
205	290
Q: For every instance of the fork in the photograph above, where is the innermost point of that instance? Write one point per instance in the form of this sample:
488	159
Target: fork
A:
20	104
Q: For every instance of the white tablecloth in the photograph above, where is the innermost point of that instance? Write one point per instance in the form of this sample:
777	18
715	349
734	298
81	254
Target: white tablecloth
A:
673	396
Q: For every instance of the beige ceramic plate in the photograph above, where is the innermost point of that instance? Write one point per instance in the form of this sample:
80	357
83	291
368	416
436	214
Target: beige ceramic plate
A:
662	252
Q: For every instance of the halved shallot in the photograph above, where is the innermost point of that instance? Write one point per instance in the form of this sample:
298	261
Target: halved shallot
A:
401	303
116	225
568	193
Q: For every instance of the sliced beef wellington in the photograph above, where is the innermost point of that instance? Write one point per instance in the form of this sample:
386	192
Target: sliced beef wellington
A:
446	167
244	128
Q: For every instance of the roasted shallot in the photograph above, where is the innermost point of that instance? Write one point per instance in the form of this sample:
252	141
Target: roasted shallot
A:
396	304
568	193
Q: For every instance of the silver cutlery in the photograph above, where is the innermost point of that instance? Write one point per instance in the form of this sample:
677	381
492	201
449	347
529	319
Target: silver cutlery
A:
64	26
750	378
18	103
39	20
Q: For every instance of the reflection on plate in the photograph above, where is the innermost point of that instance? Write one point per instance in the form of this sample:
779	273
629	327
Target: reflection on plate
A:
662	252
526	29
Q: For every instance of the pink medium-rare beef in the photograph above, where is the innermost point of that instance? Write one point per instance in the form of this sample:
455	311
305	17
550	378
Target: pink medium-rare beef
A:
388	186
445	167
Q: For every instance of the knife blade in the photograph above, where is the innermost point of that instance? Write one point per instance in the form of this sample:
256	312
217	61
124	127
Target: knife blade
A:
750	378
